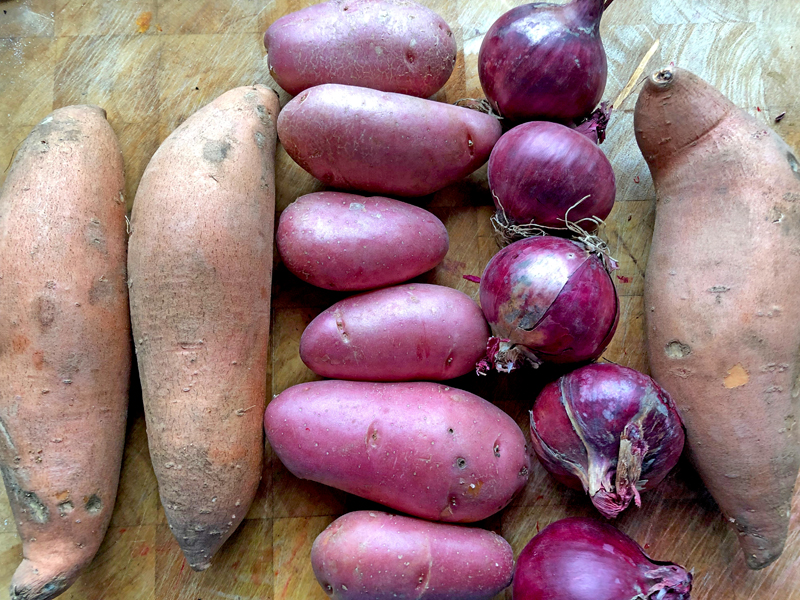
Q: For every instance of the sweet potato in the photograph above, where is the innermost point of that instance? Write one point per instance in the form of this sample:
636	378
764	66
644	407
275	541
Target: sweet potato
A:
390	45
65	348
425	449
355	138
401	333
375	555
200	257
723	321
347	242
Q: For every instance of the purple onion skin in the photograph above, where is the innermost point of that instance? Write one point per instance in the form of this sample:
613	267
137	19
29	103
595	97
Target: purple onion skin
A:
539	170
570	425
584	559
549	300
545	61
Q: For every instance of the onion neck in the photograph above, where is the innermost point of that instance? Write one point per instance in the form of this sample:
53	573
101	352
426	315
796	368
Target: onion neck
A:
588	12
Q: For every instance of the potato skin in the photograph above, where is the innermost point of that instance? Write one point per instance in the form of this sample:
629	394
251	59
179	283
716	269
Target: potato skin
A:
422	448
390	45
346	242
723	320
407	332
354	138
65	348
199	263
372	555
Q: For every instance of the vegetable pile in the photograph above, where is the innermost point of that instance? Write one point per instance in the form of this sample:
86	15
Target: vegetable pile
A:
387	425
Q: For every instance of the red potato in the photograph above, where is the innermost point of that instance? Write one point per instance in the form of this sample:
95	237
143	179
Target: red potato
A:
355	138
401	333
723	321
199	265
377	556
65	348
421	448
346	242
391	45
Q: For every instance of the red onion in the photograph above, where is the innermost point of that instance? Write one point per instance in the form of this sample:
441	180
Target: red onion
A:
609	430
584	559
541	173
545	61
547	299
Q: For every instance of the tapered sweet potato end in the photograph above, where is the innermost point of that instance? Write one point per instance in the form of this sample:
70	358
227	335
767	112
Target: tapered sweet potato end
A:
200	541
42	580
760	552
675	109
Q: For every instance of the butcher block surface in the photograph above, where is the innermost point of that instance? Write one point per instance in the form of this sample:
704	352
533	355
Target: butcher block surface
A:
152	63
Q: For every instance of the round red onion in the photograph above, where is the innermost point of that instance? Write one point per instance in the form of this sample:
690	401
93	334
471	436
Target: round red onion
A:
609	430
545	61
584	559
547	299
540	171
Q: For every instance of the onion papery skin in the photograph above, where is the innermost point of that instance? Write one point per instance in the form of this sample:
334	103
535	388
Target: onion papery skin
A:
539	171
547	299
609	430
545	61
585	559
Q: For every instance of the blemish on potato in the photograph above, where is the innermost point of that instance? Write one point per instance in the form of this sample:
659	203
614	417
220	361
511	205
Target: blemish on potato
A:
102	290
260	139
66	507
736	377
215	151
677	349
45	310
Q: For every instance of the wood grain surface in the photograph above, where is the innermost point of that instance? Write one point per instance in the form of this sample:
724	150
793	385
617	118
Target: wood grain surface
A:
151	63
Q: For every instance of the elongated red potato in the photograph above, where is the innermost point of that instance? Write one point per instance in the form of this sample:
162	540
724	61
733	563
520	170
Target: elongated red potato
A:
200	259
347	242
406	332
390	45
375	555
723	320
65	348
422	448
354	138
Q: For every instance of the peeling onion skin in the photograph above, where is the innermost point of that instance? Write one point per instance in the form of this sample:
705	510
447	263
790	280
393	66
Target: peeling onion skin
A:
539	170
548	299
545	61
585	559
570	425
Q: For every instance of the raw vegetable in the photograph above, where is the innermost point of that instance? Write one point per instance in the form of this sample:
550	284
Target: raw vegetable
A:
608	430
425	449
355	138
406	332
390	45
547	299
584	559
543	173
545	61
723	322
65	349
346	242
375	555
199	266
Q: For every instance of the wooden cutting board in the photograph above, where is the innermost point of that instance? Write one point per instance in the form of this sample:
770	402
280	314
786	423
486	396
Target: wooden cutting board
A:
151	63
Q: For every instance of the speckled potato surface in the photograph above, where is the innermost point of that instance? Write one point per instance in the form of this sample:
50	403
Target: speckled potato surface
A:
422	448
65	348
354	138
406	332
372	555
389	45
346	242
200	276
